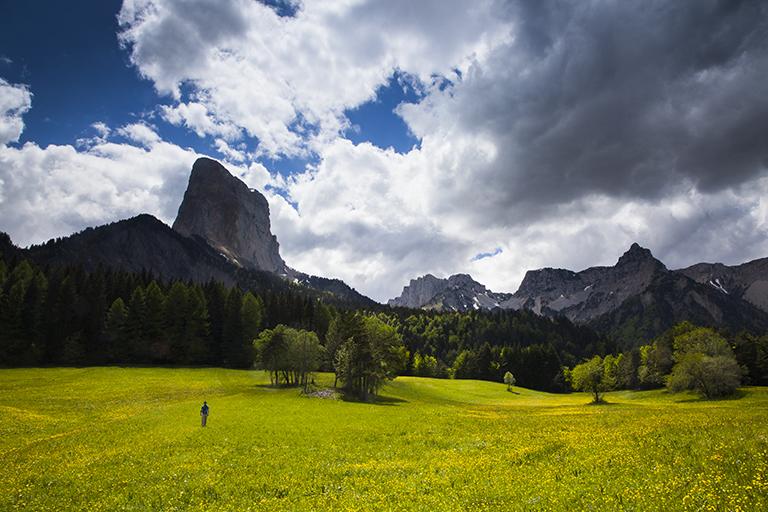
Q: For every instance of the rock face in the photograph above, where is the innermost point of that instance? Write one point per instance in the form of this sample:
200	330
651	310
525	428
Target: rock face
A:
748	281
222	233
232	218
456	293
419	292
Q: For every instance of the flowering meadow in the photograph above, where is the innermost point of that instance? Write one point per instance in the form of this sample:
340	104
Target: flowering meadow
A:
130	439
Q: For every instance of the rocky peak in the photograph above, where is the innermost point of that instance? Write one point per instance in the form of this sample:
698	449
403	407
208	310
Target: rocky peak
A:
458	292
419	291
232	218
638	255
547	280
464	281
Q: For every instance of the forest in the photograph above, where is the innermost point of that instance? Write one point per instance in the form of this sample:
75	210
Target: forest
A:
52	316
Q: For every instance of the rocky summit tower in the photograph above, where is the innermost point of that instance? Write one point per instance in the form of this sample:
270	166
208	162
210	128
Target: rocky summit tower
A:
232	218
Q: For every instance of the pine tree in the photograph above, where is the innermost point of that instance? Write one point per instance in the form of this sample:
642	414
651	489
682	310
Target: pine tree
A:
176	309
154	321
251	314
236	352
95	293
15	343
197	332
216	298
115	332
134	326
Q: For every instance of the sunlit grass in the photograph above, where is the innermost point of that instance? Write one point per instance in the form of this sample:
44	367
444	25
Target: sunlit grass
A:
130	439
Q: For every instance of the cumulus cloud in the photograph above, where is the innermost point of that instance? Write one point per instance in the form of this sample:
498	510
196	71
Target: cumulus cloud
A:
595	125
624	99
139	133
15	100
56	190
288	80
196	117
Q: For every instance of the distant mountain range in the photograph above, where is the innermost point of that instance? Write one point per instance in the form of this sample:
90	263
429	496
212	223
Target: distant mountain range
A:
631	301
223	233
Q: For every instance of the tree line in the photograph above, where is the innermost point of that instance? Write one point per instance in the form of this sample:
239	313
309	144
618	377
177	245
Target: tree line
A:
64	315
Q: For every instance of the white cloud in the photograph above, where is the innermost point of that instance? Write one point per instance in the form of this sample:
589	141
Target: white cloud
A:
57	190
139	133
15	100
102	129
233	154
279	78
102	134
196	117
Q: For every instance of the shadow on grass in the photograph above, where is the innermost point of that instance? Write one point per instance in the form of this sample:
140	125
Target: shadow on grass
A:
513	392
601	403
737	395
275	387
373	400
346	397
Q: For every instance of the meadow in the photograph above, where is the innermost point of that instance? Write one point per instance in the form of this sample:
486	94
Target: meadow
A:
130	439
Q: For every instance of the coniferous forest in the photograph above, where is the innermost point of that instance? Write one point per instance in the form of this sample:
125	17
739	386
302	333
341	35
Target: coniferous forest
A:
67	316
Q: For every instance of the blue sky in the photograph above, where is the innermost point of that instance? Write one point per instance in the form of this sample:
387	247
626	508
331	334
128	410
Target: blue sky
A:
79	75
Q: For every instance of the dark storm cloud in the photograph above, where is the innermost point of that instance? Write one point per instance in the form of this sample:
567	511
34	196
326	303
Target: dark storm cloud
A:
627	99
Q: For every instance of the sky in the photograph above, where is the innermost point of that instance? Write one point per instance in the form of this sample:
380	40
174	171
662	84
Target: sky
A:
394	139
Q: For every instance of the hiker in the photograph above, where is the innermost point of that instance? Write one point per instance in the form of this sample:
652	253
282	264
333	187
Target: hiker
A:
204	413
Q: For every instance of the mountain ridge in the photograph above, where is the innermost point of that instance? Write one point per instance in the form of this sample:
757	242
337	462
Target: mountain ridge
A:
620	299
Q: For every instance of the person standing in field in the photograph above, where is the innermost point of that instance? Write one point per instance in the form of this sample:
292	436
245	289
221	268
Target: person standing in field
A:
204	413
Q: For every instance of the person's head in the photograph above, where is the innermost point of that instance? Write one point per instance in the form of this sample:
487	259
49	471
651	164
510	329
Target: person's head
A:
205	403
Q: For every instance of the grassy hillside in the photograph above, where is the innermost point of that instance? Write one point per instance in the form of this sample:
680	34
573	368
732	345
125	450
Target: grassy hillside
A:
130	439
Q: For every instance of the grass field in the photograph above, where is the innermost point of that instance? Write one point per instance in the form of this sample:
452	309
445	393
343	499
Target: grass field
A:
130	439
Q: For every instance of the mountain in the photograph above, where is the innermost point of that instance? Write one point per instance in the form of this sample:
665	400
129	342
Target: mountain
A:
632	301
233	219
586	295
456	293
748	281
222	233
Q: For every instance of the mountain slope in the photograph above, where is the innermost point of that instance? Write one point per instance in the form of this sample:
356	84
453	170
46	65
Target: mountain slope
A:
145	244
222	233
748	281
141	243
670	299
583	296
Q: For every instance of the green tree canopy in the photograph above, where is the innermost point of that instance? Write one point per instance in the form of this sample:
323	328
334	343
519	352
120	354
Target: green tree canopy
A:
704	362
369	358
289	355
509	380
591	376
